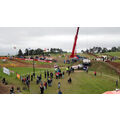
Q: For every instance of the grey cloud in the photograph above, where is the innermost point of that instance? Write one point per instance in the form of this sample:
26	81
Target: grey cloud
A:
62	37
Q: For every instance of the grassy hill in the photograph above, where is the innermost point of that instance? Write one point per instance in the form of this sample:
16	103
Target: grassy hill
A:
102	67
82	83
117	54
113	54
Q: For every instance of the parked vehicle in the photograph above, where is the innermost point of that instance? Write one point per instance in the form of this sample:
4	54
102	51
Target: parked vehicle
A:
78	67
86	62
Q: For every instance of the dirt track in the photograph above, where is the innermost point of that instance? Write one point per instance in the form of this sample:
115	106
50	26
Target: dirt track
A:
4	89
92	55
18	63
115	66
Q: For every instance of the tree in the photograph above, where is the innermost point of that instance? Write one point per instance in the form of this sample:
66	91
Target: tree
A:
20	53
82	51
118	49
26	52
104	50
114	49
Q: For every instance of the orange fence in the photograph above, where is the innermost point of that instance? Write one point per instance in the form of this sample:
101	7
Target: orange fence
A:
3	57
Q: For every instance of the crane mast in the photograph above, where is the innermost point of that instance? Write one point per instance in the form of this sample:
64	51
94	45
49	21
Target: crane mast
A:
74	45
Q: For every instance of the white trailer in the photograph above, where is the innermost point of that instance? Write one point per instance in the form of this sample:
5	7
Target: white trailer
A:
86	61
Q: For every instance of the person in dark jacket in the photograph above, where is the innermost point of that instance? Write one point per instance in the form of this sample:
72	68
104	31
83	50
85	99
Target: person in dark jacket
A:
51	75
45	74
28	83
12	90
3	80
70	80
41	89
59	92
34	75
31	77
116	83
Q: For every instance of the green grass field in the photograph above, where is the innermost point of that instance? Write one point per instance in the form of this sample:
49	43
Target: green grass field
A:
82	83
117	54
102	67
86	55
113	54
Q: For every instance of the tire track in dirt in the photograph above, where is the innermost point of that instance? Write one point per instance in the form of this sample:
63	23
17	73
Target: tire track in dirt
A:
4	89
19	63
115	66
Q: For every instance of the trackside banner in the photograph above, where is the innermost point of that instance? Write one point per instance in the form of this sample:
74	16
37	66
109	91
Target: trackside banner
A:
6	71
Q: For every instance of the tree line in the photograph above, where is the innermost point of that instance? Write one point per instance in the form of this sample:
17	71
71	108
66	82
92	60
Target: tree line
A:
39	51
101	50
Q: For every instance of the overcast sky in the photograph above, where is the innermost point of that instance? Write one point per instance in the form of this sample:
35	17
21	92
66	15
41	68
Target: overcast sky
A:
56	37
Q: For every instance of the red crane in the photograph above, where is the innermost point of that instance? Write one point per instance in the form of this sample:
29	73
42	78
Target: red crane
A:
74	45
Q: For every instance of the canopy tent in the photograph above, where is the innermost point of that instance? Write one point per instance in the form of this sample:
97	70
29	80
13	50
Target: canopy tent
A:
112	92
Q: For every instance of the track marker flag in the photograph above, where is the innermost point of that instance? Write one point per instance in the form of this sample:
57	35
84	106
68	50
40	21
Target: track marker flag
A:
6	71
18	76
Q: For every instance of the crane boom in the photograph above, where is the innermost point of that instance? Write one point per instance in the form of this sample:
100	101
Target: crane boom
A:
74	45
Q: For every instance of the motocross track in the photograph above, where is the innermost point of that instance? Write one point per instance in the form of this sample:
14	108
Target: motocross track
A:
4	89
19	63
115	66
92	55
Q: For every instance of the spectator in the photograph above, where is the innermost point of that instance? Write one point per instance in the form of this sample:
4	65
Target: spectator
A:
12	90
69	72
18	89
57	75
45	74
95	73
41	89
31	77
72	69
59	92
45	85
116	83
3	80
24	80
69	80
63	74
28	83
51	75
58	85
49	82
34	75
40	76
87	70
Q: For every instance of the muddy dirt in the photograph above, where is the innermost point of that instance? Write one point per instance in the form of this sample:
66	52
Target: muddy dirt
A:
92	55
17	63
115	66
4	89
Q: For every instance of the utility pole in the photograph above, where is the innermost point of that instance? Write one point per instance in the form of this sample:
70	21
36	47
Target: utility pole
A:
33	67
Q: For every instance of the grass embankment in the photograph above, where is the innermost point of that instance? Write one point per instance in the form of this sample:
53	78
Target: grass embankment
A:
87	55
102	67
117	54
